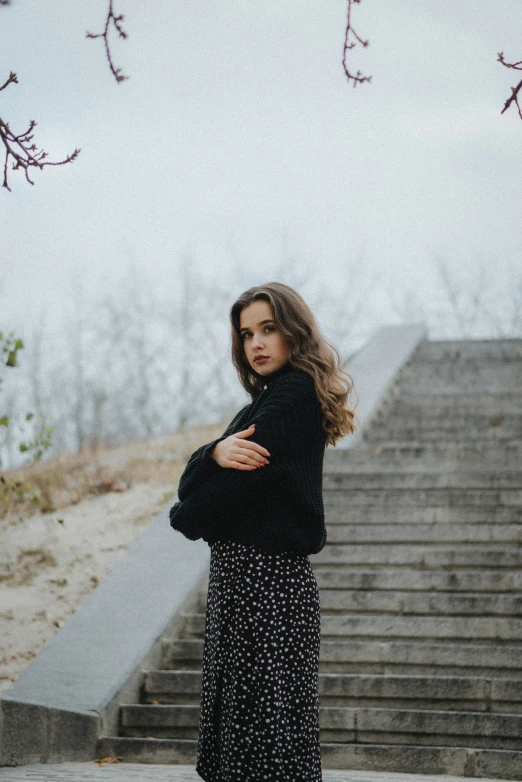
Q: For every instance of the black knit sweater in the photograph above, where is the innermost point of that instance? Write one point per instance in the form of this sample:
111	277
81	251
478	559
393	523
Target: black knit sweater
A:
278	507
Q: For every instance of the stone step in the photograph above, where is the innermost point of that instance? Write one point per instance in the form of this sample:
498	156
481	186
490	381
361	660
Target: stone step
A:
421	657
161	721
499	581
401	456
338	511
439	409
492	356
384	657
382	626
493	581
345	481
415	603
448	378
467	397
409	429
454	426
460	761
462	350
416	726
350	724
464	398
458	555
455	628
436	532
148	750
457	761
181	653
356	689
423	497
489	368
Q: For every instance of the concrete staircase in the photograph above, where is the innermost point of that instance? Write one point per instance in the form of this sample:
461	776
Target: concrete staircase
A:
420	584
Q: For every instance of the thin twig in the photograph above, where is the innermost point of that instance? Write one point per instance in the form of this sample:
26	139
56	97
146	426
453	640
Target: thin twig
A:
356	78
12	76
116	22
18	147
517	66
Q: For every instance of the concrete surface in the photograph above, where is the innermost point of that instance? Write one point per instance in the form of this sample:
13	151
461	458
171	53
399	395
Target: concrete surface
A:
67	695
91	772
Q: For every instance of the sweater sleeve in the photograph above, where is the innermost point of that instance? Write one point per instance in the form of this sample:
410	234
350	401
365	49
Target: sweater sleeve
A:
281	424
201	464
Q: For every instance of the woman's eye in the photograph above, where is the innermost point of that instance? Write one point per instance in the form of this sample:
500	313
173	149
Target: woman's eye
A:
270	328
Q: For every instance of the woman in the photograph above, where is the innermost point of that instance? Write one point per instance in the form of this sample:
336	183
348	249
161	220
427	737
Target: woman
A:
255	495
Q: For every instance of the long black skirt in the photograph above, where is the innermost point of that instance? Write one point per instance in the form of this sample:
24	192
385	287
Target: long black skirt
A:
259	716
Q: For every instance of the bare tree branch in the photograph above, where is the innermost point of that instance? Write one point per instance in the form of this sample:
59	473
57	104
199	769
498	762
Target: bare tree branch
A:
12	76
356	78
116	22
18	147
517	66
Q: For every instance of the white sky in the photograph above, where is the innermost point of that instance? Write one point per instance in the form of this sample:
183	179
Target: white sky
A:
237	126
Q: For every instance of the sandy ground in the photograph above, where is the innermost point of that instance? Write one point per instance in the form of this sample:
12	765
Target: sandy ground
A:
96	505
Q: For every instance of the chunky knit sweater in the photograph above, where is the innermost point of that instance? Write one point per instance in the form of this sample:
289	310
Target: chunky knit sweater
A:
278	507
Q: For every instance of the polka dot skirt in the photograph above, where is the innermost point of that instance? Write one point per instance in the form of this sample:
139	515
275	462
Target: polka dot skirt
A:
259	716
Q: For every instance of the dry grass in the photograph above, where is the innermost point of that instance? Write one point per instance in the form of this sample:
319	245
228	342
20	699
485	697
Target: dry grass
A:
104	500
65	480
29	563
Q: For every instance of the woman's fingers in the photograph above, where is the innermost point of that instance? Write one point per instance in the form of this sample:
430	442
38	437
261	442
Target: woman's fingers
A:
251	445
241	454
246	432
241	466
250	457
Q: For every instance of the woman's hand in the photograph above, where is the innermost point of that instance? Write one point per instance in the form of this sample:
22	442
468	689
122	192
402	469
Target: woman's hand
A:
234	451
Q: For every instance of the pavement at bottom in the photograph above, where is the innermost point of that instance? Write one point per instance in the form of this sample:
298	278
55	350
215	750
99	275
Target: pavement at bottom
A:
130	772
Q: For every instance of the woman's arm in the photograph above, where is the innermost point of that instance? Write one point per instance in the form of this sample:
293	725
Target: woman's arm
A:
281	428
201	464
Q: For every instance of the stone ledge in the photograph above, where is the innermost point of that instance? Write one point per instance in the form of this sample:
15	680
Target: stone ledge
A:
71	692
374	369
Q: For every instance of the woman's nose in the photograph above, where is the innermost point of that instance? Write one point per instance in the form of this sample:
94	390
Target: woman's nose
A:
257	340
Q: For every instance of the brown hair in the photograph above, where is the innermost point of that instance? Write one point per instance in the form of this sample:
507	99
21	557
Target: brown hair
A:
309	351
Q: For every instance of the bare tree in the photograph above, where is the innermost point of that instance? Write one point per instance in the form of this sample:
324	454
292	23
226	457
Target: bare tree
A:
20	148
143	360
26	155
78	359
116	22
460	304
351	39
513	98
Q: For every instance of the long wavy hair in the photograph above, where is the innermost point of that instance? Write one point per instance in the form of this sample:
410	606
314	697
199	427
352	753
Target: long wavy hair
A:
309	351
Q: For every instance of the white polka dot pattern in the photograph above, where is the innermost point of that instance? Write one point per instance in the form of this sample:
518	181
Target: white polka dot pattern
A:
259	717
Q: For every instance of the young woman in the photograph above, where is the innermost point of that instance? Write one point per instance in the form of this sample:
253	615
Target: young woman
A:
255	495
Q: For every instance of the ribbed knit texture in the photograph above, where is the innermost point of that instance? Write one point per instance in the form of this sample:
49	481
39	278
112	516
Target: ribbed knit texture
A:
278	507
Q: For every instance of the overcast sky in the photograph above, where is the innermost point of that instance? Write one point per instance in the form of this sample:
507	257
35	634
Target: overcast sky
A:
237	128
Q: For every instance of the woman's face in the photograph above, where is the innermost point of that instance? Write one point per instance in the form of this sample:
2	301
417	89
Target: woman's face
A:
265	347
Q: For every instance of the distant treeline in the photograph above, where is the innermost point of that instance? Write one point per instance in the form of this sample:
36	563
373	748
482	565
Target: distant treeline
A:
151	356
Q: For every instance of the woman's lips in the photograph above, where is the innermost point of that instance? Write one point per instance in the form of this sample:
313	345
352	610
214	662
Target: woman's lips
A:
261	360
